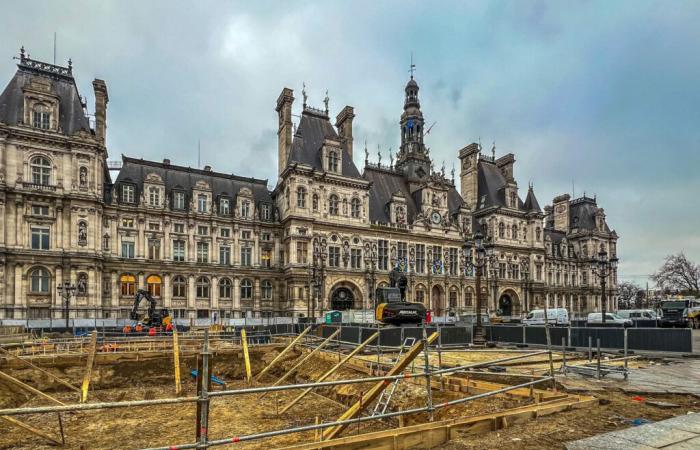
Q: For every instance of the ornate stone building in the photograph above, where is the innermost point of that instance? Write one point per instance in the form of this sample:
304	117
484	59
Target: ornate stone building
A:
323	238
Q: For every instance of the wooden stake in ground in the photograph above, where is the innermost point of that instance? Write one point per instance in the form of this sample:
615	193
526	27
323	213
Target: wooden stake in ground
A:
244	344
331	371
303	360
31	429
44	371
176	363
26	387
88	368
284	352
373	394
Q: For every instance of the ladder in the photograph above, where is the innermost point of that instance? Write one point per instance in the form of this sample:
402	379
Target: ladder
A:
385	398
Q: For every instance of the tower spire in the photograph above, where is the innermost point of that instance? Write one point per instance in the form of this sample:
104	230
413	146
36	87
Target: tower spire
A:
413	66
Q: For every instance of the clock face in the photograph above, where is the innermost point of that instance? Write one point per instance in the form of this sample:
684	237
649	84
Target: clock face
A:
435	217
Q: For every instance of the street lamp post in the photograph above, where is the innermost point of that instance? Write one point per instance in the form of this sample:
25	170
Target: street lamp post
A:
603	268
66	290
370	270
318	267
484	255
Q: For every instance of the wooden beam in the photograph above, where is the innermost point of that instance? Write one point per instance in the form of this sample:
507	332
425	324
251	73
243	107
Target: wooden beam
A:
303	359
26	387
31	429
176	362
44	371
331	371
377	389
284	352
88	368
246	357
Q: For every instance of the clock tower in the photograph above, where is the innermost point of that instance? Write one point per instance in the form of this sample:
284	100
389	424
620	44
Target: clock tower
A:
413	158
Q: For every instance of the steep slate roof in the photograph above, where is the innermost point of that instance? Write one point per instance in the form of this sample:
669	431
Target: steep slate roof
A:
71	115
314	127
386	182
531	204
491	187
582	214
185	178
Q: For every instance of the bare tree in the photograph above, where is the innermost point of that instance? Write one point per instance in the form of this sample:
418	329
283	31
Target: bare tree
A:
678	273
628	295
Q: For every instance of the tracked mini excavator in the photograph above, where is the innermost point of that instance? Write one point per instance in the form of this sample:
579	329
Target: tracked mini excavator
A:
153	318
392	307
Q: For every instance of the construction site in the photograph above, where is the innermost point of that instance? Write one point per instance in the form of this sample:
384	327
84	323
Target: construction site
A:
299	387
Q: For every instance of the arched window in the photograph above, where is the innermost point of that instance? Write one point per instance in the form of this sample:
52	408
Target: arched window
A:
246	289
333	161
154	196
314	202
179	287
514	232
202	287
225	288
355	208
301	197
127	283
41	116
41	170
501	230
266	288
333	205
245	208
153	283
39	281
202	203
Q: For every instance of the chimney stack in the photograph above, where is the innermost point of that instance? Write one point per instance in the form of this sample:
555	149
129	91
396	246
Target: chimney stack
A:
284	132
343	122
101	100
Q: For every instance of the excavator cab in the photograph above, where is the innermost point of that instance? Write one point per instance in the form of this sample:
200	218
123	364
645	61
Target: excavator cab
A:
153	317
392	307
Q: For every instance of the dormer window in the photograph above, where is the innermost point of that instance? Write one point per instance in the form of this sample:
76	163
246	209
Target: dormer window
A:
41	117
513	200
245	208
333	205
179	200
128	193
41	170
202	203
266	211
333	161
154	196
224	206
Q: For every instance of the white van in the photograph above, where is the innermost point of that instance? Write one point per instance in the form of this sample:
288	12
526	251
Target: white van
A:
555	316
637	314
597	318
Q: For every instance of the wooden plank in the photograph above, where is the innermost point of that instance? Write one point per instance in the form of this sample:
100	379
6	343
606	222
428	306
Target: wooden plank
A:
284	352
31	429
246	357
303	359
44	371
377	389
26	387
88	368
176	363
332	370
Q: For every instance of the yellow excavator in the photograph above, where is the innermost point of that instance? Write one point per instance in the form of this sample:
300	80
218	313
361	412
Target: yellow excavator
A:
153	317
392	307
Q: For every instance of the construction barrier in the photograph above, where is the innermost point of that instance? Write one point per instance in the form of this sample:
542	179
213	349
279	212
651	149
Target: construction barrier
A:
395	336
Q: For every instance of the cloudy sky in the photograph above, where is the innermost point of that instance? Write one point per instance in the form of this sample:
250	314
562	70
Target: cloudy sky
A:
595	97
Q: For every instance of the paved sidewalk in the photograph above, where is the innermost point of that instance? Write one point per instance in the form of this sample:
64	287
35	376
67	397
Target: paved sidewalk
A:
679	433
682	377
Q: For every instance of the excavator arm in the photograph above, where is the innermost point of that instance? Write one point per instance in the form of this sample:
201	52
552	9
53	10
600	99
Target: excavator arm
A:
140	295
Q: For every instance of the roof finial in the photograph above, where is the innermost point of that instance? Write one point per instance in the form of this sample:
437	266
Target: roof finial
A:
443	168
70	65
493	150
303	93
325	101
366	154
21	53
413	66
479	143
391	159
453	173
379	155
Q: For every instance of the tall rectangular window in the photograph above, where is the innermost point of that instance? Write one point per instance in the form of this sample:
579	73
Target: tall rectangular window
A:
202	203
41	119
224	207
179	251
202	252
402	255
302	252
128	249
437	262
128	193
383	254
501	270
355	258
202	230
266	258
40	238
225	255
266	212
246	253
333	256
453	261
420	258
179	200
154	249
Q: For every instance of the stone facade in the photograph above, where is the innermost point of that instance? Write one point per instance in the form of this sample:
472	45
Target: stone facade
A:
323	238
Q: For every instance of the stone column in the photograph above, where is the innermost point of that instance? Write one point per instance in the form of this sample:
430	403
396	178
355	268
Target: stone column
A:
115	290
19	232
92	289
191	292
167	245
214	293
18	285
236	294
140	239
166	291
256	296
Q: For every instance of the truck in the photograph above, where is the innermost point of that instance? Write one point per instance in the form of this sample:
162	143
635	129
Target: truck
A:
681	312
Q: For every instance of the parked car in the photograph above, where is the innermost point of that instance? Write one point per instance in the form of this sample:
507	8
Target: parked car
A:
611	318
470	319
638	314
555	316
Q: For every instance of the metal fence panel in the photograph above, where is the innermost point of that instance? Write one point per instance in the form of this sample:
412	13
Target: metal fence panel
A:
390	337
535	335
660	339
455	335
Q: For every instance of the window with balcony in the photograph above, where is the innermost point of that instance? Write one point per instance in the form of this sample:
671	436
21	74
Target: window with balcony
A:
40	279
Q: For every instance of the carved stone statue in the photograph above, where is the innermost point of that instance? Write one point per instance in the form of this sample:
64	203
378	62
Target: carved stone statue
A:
82	233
